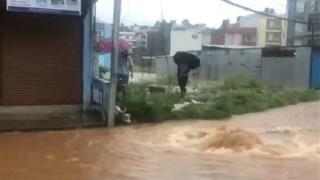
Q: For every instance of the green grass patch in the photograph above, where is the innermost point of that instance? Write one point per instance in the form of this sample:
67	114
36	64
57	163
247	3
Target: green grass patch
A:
235	96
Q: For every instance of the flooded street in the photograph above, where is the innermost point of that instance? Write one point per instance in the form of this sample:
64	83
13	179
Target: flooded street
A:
282	144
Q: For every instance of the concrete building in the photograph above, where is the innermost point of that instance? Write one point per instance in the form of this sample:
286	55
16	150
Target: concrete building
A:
141	39
185	40
234	35
272	32
130	37
238	36
298	33
135	39
252	30
206	36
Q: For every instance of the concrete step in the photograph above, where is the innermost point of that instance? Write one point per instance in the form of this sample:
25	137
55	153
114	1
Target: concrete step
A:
32	118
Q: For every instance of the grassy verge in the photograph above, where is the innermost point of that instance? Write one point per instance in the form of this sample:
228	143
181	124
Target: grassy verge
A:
235	96
145	69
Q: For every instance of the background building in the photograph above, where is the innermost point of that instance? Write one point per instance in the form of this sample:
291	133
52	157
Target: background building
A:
298	33
272	32
185	40
240	36
252	30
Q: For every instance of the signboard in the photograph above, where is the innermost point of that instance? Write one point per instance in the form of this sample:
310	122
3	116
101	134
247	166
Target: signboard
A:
65	7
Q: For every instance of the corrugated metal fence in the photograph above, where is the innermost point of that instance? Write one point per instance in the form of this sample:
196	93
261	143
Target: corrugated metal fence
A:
220	64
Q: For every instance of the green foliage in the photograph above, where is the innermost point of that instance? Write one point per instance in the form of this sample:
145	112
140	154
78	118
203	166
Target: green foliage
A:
309	95
168	80
236	95
240	82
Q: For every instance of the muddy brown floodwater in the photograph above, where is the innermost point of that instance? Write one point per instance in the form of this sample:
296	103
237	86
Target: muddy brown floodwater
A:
277	144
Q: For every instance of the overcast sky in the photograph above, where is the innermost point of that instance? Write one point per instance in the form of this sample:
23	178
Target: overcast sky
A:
210	12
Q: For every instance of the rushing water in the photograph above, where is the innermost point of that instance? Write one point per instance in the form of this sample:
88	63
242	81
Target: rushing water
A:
278	144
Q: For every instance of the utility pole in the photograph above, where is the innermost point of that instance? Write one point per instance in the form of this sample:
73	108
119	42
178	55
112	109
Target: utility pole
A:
114	62
292	6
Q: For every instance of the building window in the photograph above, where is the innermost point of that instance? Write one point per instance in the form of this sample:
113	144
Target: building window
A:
250	37
273	24
300	6
274	37
316	4
299	28
195	36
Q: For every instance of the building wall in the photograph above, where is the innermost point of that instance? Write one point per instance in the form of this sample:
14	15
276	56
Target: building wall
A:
250	21
206	38
290	72
300	9
234	39
264	31
185	41
41	59
260	22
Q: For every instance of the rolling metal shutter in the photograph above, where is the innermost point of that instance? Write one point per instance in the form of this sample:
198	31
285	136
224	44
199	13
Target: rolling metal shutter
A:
40	59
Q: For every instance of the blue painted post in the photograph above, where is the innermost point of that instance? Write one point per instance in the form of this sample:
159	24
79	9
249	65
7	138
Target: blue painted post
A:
87	71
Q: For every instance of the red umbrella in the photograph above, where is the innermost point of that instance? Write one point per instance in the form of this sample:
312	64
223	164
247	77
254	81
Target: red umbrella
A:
105	45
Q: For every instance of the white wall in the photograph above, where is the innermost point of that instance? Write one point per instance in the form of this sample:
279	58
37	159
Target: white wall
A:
251	20
206	38
234	39
185	41
255	21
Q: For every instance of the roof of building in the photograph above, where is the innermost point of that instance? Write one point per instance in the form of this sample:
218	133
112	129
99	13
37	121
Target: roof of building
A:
216	46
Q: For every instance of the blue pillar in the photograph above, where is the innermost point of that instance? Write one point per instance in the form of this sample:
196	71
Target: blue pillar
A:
87	73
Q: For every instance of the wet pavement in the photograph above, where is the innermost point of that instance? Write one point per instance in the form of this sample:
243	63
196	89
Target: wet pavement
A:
277	144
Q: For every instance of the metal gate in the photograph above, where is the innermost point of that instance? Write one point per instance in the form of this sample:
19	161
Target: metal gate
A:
41	60
315	69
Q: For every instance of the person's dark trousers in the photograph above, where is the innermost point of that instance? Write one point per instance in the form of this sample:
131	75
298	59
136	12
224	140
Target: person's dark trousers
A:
183	80
123	80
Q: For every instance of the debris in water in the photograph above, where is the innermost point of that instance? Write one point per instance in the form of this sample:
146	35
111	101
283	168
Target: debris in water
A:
50	157
123	115
179	107
75	159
